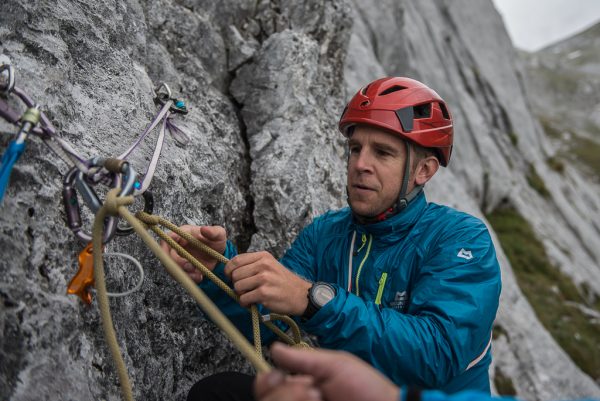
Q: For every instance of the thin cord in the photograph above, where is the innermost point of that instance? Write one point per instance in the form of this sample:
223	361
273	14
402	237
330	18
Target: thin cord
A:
140	269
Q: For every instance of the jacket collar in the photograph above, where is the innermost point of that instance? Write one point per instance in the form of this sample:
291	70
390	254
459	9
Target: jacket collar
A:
396	227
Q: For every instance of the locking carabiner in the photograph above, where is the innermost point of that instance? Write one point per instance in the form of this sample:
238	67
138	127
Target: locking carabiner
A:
73	212
126	229
118	166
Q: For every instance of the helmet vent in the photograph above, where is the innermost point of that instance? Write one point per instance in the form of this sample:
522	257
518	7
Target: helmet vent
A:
392	89
444	111
364	90
423	110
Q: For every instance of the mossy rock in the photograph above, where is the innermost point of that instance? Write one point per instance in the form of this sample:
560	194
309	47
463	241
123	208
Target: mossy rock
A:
551	293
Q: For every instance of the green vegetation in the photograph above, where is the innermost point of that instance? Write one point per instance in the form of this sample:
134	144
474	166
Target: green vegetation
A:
550	127
504	385
559	82
514	139
556	164
586	152
551	293
578	149
536	182
498	331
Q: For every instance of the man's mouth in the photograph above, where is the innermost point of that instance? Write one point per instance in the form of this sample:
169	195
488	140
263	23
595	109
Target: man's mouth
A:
363	187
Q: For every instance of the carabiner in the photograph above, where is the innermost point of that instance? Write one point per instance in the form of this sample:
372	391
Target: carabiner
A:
163	96
118	166
73	211
126	229
7	75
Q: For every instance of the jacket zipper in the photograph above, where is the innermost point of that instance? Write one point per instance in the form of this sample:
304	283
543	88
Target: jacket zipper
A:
350	261
363	262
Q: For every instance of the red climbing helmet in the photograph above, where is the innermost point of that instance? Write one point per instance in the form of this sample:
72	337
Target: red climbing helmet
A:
405	107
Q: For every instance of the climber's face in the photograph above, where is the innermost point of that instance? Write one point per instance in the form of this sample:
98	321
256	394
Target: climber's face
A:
375	170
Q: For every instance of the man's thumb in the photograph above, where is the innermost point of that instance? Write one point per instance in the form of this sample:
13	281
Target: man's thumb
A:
213	233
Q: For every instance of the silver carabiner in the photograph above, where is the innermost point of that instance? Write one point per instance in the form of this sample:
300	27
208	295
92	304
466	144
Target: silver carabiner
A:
72	183
118	167
7	75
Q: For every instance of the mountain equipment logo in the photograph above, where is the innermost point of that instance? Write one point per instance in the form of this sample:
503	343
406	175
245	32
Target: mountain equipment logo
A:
465	254
399	301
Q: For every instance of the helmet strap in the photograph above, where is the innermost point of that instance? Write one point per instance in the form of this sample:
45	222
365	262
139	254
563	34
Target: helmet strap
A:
402	202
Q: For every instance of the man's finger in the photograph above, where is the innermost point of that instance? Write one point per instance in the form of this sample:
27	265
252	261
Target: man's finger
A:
178	259
302	379
247	285
241	260
213	233
252	297
265	382
244	272
303	361
196	276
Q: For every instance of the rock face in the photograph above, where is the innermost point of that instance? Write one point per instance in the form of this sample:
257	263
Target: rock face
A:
265	82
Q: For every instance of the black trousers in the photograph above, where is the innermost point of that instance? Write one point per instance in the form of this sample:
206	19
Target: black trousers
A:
226	386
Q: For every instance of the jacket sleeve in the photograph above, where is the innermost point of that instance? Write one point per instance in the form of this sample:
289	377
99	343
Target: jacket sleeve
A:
239	316
453	303
433	395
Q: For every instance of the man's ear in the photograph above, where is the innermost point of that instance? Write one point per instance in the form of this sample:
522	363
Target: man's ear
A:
426	169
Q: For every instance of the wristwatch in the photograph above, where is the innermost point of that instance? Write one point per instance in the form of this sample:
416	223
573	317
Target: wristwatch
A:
318	295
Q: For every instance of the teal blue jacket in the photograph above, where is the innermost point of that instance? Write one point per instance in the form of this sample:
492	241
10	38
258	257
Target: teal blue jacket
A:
464	396
417	302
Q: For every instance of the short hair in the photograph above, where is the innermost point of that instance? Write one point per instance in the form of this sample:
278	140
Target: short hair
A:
421	153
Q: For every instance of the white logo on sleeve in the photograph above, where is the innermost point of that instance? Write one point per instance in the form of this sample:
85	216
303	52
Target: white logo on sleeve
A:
399	301
463	253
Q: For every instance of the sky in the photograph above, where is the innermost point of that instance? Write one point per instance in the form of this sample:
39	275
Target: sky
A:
534	24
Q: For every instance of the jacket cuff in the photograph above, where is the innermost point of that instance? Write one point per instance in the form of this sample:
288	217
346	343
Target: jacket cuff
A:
410	394
219	270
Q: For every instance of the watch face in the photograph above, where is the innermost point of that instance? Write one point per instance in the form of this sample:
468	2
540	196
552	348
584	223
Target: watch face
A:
322	293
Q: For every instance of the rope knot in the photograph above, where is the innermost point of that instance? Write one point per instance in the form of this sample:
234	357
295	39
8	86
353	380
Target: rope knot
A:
113	201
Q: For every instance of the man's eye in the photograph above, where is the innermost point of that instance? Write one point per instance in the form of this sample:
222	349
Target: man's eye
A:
383	153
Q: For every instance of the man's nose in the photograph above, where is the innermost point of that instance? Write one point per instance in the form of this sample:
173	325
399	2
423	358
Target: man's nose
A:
363	160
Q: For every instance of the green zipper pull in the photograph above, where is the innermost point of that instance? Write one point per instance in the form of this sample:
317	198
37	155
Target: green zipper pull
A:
380	289
363	238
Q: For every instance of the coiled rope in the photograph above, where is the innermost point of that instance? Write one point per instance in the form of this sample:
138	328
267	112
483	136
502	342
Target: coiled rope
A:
115	205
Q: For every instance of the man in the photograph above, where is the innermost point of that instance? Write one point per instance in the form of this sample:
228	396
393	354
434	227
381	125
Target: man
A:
339	376
410	287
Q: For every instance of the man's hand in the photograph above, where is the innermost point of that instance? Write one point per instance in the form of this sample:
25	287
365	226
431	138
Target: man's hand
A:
213	236
259	278
336	376
276	386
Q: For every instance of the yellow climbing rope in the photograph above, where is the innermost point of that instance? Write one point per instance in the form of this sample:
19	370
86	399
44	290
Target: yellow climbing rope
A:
154	221
115	205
